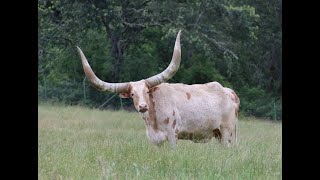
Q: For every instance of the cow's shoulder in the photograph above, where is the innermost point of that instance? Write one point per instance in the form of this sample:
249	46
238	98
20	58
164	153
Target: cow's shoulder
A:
214	85
160	89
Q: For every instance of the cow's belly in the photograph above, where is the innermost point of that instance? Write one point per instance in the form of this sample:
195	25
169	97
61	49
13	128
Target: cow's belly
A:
199	119
202	113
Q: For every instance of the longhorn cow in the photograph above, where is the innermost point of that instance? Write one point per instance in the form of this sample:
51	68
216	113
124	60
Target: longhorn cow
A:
175	111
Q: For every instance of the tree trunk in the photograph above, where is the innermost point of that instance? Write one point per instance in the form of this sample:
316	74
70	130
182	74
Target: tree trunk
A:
116	53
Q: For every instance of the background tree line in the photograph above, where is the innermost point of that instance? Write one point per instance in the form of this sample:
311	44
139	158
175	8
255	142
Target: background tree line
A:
237	43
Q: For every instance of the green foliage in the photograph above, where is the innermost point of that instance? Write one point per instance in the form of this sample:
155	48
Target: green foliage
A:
264	106
140	56
200	72
237	43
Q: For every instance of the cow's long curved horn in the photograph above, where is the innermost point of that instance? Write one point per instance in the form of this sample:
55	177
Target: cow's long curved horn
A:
99	84
171	69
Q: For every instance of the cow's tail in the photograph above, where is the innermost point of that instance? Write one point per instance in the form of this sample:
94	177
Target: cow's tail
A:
236	134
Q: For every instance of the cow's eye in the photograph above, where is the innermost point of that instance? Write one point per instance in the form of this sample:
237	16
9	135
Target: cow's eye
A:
148	92
132	94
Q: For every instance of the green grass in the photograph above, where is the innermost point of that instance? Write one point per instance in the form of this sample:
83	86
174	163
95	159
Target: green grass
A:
80	143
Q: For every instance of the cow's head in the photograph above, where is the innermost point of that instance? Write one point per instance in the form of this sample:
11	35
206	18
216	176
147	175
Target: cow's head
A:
139	90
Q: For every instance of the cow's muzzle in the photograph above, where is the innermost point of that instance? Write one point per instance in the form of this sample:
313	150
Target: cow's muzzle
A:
143	108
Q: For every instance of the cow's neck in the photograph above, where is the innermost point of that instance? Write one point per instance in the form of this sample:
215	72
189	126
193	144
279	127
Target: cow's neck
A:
150	116
154	134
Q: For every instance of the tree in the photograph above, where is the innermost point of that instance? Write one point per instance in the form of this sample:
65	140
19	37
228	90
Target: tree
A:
237	43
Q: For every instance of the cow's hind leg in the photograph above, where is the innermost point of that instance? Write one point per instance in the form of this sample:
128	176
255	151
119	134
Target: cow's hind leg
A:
226	136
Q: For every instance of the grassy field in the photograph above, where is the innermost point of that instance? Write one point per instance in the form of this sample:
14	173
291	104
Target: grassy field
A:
80	143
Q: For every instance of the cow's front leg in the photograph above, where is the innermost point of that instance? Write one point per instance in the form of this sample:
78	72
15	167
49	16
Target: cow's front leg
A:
172	138
172	134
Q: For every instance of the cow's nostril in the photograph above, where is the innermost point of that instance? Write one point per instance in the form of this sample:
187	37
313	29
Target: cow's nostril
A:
142	106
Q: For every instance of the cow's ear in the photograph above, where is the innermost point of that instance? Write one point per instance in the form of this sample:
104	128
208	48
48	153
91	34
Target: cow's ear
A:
153	89
124	95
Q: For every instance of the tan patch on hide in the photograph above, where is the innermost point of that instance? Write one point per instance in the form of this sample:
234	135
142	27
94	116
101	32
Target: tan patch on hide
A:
174	124
166	121
188	96
152	113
